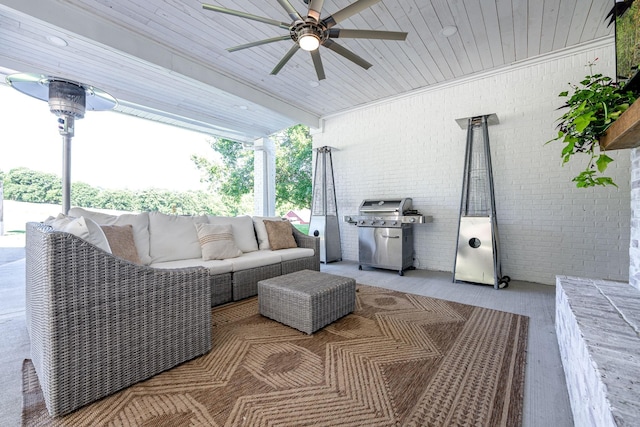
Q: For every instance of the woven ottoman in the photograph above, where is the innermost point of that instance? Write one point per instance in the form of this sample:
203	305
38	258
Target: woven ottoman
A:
306	300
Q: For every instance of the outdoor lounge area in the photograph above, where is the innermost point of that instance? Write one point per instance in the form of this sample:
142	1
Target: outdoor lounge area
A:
546	400
571	347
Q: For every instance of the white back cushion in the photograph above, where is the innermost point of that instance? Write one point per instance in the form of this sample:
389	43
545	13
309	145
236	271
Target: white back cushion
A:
58	222
139	222
88	230
173	237
261	230
243	232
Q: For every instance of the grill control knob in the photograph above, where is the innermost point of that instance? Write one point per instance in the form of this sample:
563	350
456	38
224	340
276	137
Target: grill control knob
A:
371	222
381	222
395	223
362	221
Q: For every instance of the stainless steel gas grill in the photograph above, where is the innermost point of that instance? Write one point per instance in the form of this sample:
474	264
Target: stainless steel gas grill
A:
385	233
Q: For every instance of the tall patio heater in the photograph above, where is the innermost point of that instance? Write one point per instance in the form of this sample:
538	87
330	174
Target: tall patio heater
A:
324	212
68	100
478	246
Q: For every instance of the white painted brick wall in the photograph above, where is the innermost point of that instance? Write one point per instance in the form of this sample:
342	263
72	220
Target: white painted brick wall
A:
634	250
412	147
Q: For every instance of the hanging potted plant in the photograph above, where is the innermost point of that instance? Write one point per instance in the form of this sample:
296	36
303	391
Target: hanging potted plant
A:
594	104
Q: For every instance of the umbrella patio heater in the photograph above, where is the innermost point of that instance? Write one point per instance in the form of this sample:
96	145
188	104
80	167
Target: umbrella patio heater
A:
68	100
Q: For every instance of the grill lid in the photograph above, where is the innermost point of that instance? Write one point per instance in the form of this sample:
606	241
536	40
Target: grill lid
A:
389	206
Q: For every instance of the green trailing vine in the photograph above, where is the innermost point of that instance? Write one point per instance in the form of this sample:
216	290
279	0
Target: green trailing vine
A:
596	102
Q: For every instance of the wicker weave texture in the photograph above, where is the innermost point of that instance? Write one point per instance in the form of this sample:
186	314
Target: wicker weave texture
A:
245	282
221	291
98	323
307	263
306	300
308	242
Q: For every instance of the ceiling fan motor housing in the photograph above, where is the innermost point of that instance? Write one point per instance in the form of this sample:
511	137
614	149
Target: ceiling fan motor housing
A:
66	99
308	27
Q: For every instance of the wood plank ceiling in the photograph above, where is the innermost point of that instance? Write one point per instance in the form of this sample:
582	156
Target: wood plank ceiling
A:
167	60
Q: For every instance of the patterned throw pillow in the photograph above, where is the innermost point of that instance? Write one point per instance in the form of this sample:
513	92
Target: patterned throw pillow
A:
280	234
217	241
120	238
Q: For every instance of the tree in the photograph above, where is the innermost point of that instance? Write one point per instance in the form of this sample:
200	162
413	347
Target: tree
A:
121	200
82	194
231	176
25	185
293	169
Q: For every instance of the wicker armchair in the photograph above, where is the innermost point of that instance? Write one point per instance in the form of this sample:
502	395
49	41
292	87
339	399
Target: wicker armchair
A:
98	323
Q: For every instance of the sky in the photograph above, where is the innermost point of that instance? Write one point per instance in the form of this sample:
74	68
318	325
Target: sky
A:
109	150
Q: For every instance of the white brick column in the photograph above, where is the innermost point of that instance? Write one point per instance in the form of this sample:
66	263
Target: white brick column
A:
264	177
1	209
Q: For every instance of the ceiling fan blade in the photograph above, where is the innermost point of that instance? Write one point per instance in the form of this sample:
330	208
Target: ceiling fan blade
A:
336	33
245	15
285	59
315	9
317	63
258	43
340	50
293	13
348	11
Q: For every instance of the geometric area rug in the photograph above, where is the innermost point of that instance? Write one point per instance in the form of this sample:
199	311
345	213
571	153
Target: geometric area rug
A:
397	360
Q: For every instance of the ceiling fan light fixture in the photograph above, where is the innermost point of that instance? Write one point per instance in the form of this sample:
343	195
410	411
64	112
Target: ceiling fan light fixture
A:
309	42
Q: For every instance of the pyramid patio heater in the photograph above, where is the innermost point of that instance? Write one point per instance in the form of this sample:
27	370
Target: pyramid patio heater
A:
478	246
324	213
68	100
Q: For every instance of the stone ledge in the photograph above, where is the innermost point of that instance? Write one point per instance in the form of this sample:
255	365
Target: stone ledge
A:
597	325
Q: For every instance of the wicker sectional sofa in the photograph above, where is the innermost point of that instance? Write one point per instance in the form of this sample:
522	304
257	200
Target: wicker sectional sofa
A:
99	323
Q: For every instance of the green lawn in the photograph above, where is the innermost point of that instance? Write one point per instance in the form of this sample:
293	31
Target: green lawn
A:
304	228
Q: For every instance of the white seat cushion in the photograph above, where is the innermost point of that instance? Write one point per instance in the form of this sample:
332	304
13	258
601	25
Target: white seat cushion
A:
254	259
295	253
215	266
243	233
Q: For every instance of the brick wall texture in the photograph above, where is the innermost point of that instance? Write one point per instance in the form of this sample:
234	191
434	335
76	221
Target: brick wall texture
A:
634	251
411	146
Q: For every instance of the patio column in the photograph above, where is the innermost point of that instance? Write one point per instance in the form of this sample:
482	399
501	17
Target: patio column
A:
1	209
264	177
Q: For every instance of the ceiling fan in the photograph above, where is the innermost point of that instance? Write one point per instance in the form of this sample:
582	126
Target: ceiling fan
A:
310	32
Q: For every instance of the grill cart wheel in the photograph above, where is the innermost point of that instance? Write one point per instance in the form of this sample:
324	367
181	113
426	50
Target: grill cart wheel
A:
504	282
